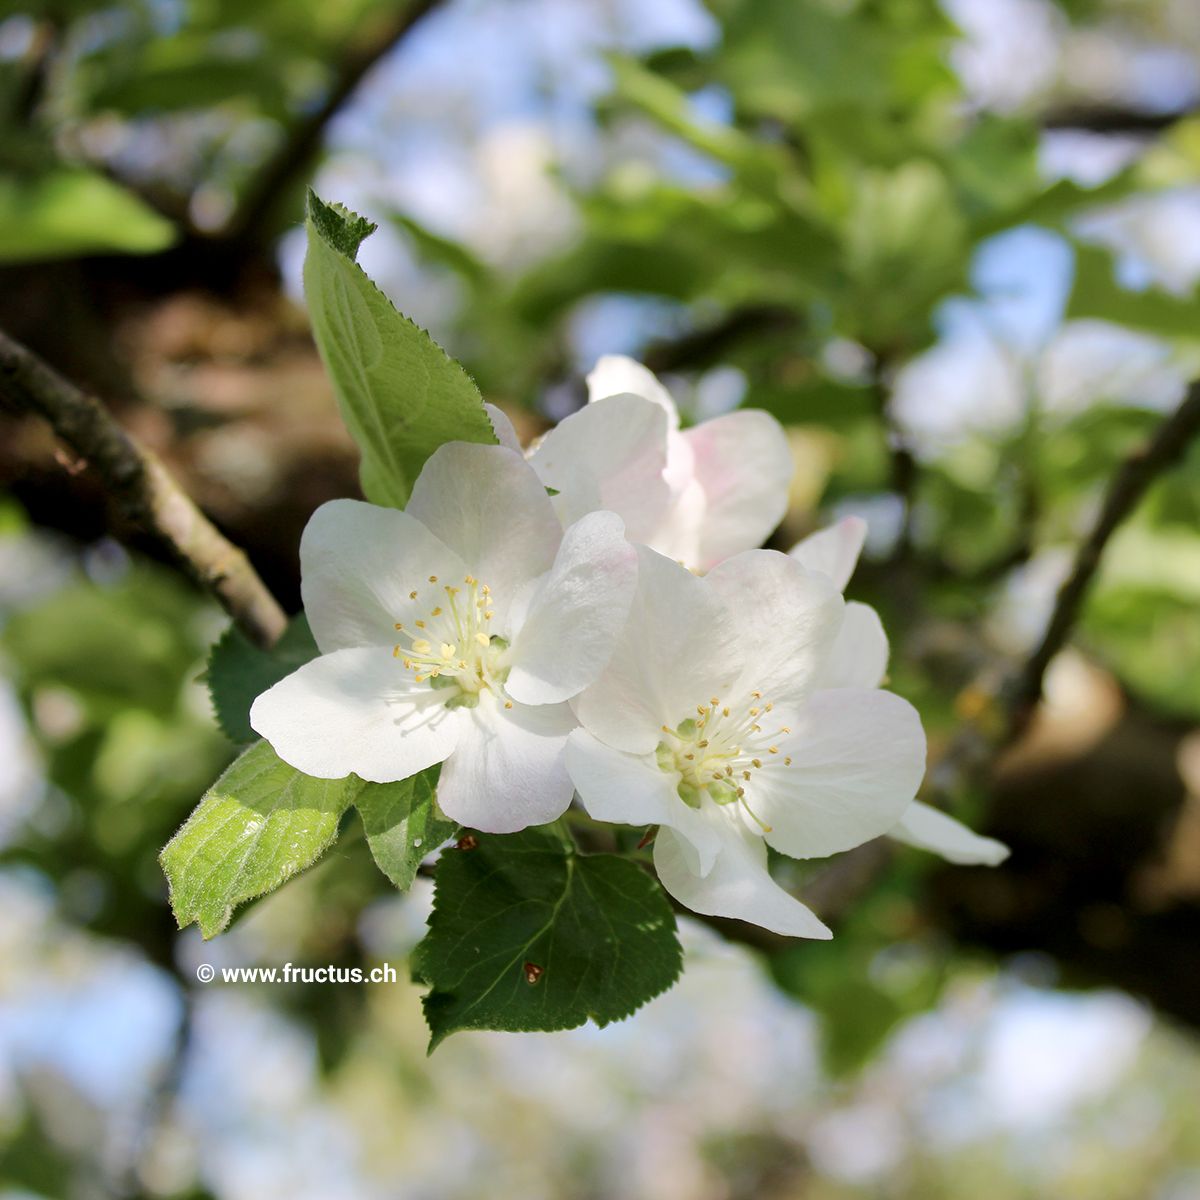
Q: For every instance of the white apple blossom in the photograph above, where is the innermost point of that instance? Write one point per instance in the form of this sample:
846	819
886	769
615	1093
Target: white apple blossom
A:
859	660
696	495
716	721
453	632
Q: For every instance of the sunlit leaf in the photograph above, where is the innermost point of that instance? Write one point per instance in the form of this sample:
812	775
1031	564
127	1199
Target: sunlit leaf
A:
256	827
401	395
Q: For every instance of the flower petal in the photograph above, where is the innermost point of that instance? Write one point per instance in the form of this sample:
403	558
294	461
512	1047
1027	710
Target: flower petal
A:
676	649
744	464
489	506
860	652
358	564
616	375
929	828
629	789
787	621
576	614
356	711
502	427
508	770
833	551
857	756
609	455
739	884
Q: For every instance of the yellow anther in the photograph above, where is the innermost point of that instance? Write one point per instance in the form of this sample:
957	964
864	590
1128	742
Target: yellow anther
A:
449	650
420	624
757	762
419	678
787	762
470	580
745	774
701	709
487	591
717	775
784	729
412	595
772	749
754	712
451	591
437	612
487	616
395	651
756	695
724	712
689	757
715	701
508	704
482	638
421	646
433	579
462	664
768	706
700	744
398	625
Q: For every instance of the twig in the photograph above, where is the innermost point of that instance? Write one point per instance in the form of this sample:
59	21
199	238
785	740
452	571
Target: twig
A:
1135	475
1102	119
149	495
304	139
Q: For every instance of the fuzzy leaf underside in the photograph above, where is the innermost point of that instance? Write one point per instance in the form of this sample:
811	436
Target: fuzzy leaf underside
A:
257	826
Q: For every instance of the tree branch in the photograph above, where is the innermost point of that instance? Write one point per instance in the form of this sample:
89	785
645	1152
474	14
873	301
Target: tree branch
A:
145	489
1127	488
304	138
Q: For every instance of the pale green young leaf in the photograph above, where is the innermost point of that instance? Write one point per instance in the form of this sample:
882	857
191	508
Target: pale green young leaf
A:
528	934
256	827
401	395
403	824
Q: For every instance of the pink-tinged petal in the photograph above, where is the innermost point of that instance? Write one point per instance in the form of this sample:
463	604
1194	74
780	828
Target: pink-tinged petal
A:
356	711
787	621
611	456
929	828
630	789
739	884
358	565
677	649
503	428
857	759
575	616
833	551
488	505
616	375
860	652
508	770
744	464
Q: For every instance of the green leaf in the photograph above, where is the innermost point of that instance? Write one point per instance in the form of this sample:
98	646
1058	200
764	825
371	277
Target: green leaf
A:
256	827
239	672
400	394
403	824
1097	294
527	934
70	212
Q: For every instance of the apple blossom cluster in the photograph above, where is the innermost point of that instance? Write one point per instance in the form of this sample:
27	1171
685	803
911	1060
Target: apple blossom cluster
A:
593	618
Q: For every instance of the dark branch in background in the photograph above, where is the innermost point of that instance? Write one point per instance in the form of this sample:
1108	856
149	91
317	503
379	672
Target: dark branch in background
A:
251	220
704	347
1101	119
1128	486
136	478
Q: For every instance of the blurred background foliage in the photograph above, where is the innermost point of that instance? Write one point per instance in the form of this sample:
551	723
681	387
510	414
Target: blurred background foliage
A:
953	246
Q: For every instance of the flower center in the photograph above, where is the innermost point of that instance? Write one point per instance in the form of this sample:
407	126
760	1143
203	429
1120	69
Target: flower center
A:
718	752
452	647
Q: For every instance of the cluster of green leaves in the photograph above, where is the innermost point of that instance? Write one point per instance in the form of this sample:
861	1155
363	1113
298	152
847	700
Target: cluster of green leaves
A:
527	933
